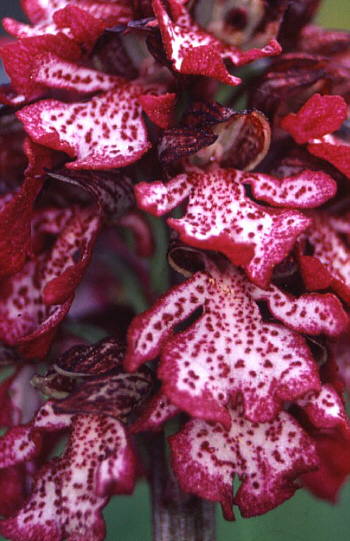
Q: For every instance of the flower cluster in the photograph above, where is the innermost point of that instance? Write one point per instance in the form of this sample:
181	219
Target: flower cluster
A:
120	109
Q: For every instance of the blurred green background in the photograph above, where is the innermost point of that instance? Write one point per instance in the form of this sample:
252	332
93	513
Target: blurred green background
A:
302	518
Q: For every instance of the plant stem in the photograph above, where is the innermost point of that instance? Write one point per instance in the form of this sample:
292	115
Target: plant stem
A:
177	516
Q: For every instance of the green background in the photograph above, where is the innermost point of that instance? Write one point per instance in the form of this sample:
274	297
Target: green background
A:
300	519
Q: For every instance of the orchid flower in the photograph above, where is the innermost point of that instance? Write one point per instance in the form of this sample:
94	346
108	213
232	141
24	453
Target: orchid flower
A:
220	118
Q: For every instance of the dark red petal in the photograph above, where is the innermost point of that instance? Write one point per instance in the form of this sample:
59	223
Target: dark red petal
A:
138	225
334	452
115	394
334	152
320	115
15	227
177	143
159	109
113	191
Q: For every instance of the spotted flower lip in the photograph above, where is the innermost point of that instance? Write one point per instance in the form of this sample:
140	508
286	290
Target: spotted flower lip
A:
200	373
113	464
186	110
98	460
76	128
220	226
194	51
105	132
206	456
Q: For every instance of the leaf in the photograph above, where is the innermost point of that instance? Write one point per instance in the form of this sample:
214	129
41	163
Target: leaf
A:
221	217
229	349
266	457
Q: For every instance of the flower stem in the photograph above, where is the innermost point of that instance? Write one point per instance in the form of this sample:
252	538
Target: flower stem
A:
177	516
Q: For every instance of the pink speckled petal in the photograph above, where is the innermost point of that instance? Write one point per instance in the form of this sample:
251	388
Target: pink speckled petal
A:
221	217
19	444
197	52
29	315
310	313
19	60
319	116
266	457
15	228
307	189
53	72
69	492
151	329
325	409
104	133
70	256
228	350
116	474
36	521
25	320
158	198
47	419
39	11
330	264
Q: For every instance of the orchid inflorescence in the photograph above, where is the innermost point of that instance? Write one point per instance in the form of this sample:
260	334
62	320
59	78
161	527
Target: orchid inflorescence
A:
121	109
